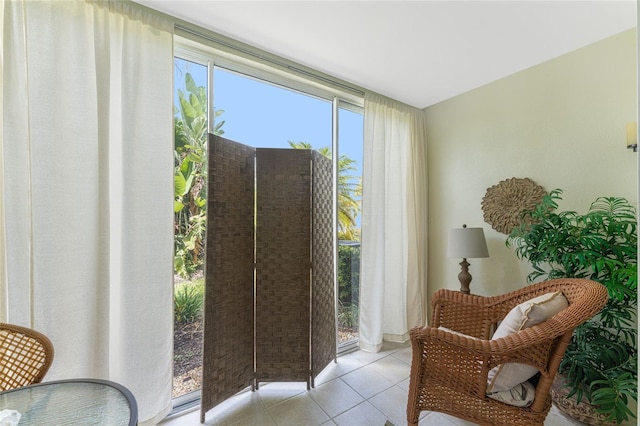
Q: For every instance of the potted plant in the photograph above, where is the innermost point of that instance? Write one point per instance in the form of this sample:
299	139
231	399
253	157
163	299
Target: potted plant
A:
600	365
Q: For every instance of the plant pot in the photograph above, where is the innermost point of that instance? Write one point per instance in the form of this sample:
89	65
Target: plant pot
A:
583	411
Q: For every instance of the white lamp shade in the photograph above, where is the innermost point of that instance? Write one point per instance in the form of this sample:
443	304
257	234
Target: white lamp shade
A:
467	243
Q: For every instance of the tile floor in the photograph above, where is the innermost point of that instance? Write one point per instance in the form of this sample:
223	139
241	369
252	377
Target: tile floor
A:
362	388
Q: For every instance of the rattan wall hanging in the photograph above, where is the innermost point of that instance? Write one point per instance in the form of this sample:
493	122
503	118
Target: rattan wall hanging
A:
504	202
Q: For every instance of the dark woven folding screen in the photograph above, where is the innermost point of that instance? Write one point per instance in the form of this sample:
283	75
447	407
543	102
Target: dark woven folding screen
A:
228	347
323	316
294	305
283	264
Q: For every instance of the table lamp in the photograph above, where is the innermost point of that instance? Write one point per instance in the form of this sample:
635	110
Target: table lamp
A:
467	243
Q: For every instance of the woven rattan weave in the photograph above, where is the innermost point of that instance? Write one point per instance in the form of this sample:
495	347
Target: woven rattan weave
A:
25	356
283	260
269	298
449	372
228	347
323	323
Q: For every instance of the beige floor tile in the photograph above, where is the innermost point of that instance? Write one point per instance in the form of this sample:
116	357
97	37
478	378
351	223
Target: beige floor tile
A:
326	375
405	385
438	419
190	418
346	364
369	357
404	355
393	403
363	414
555	418
367	381
274	393
392	368
335	397
296	411
261	419
240	407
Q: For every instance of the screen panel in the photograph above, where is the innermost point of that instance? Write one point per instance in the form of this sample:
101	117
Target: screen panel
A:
323	308
228	364
283	260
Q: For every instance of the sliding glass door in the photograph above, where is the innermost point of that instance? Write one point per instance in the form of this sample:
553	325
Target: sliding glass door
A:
191	122
259	113
350	136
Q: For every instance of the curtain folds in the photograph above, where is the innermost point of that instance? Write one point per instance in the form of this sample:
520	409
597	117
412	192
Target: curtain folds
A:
394	222
87	189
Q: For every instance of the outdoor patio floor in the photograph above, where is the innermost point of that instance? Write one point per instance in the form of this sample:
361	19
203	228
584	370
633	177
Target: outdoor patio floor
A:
361	389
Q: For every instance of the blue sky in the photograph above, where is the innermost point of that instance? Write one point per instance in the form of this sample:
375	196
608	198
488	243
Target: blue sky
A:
267	116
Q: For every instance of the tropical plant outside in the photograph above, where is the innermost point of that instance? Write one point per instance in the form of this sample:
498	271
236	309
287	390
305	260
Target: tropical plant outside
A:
188	300
190	180
190	176
349	272
190	183
349	192
601	361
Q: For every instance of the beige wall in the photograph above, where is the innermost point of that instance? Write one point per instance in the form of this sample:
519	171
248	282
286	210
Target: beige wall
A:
561	124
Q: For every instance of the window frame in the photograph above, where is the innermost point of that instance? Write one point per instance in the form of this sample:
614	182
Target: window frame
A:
197	49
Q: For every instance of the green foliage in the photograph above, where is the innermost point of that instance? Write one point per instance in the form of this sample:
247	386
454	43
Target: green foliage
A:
348	285
349	274
347	315
188	299
349	193
601	361
190	176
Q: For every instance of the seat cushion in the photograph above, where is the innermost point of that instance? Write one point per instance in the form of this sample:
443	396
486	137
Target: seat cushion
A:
521	395
527	314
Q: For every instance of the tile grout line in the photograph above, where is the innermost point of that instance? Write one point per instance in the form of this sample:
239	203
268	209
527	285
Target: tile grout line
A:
361	363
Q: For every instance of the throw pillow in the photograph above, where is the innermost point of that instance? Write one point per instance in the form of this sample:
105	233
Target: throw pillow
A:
521	395
527	314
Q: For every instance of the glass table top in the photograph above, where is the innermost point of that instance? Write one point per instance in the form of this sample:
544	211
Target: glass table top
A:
72	402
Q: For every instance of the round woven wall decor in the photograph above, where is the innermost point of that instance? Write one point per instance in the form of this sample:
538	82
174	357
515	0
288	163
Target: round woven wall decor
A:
504	203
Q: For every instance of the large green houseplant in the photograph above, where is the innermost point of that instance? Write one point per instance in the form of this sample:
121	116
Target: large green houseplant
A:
600	364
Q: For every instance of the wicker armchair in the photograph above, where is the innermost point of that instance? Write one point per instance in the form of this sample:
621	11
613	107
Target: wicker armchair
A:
449	371
25	356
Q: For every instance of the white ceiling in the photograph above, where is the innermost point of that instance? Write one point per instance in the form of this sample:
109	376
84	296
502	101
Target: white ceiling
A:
417	52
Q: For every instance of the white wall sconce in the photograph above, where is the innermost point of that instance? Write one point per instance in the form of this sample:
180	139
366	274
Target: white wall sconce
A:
632	136
467	243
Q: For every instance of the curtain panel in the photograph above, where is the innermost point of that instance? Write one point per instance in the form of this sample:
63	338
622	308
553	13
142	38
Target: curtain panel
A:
394	222
87	189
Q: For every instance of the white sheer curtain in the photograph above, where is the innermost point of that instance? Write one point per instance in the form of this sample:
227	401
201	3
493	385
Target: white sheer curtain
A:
394	222
87	189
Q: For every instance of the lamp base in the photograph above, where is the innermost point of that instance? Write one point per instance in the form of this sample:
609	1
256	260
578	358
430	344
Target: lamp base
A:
464	277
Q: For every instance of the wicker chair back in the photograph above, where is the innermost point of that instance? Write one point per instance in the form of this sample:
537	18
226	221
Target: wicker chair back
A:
25	356
449	371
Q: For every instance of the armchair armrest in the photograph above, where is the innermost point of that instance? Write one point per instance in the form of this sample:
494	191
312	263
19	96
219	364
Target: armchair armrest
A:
469	314
474	357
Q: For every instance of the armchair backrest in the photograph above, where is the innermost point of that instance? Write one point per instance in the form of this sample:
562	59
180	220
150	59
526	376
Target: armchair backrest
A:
586	298
25	356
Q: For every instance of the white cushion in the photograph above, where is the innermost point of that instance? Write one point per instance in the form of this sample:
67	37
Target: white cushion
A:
521	395
527	314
